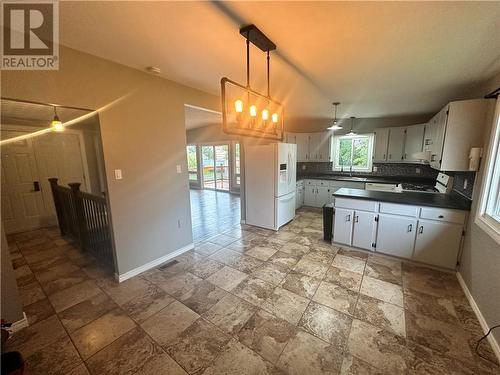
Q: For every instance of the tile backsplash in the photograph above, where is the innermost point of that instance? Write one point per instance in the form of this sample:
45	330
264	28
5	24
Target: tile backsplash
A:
383	169
398	169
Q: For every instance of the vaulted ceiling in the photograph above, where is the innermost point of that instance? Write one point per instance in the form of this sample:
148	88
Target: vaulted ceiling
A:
377	59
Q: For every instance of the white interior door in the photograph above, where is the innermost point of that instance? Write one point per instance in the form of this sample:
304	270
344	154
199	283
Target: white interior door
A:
22	205
58	155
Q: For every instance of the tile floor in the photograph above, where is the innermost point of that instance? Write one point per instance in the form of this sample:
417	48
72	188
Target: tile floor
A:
249	301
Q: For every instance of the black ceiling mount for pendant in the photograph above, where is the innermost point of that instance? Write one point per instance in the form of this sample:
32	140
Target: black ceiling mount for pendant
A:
257	37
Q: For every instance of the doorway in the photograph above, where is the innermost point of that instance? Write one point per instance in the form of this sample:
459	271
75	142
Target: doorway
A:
31	154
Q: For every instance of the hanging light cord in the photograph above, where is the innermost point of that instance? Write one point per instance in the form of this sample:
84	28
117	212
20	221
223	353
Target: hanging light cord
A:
481	339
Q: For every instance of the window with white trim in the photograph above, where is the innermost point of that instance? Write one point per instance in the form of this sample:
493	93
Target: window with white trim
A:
488	216
353	152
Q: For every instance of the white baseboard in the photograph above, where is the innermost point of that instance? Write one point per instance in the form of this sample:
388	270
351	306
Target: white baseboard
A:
20	324
153	263
493	342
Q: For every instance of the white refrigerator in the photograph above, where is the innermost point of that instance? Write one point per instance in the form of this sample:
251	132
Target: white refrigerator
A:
270	177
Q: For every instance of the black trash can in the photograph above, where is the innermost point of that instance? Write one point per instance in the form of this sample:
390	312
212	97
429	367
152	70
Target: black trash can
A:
327	222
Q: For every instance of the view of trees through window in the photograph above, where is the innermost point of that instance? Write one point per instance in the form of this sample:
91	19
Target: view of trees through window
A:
192	163
353	151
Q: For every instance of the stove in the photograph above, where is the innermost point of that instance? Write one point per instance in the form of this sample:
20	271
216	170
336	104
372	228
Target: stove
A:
419	187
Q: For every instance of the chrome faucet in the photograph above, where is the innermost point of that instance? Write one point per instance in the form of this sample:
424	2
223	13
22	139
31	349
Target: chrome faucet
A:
350	170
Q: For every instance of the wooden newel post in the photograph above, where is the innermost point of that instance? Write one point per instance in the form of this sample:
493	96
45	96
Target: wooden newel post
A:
57	205
80	214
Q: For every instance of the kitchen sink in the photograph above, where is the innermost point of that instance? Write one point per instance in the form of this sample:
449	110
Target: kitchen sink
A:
347	178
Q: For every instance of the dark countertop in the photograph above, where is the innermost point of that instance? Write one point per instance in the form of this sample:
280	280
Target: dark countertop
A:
452	200
368	179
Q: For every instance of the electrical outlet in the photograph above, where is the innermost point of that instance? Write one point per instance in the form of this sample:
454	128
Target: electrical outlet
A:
179	169
417	170
465	183
375	168
118	174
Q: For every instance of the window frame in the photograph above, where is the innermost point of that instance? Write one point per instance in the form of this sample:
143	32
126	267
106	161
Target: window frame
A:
490	187
336	152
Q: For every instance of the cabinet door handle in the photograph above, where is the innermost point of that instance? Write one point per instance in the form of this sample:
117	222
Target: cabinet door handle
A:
440	216
421	229
410	228
348	218
356	218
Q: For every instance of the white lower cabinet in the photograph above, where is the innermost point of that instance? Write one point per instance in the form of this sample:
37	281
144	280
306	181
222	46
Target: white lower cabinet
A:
310	196
363	229
343	226
424	234
316	196
437	243
322	196
396	235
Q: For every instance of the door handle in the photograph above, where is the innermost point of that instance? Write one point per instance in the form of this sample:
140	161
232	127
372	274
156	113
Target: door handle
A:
348	218
410	228
36	186
421	229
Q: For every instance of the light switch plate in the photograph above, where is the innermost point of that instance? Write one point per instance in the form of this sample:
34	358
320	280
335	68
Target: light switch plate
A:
179	169
118	174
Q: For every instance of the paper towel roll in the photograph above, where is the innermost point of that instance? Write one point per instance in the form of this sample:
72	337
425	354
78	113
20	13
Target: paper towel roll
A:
475	158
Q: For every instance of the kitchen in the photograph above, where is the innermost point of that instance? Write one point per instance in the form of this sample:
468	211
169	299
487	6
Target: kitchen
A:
365	237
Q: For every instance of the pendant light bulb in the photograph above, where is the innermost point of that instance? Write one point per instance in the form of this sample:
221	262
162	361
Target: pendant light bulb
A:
352	125
56	124
253	111
274	118
335	126
265	115
238	106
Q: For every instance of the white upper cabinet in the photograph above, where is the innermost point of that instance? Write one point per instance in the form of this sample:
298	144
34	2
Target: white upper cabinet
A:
396	144
311	146
459	126
414	142
381	144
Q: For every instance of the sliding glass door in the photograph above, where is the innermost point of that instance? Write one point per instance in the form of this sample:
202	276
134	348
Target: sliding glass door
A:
215	166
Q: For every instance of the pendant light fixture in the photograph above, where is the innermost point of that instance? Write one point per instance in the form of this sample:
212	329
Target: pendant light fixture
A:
246	112
351	132
335	126
56	124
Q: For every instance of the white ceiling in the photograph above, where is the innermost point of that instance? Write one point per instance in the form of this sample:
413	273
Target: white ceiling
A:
377	59
15	112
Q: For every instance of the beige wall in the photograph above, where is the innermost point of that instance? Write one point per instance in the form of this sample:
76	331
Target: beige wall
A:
480	262
143	134
11	308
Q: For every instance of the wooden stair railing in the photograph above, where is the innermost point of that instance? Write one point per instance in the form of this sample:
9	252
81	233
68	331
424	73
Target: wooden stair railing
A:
84	218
